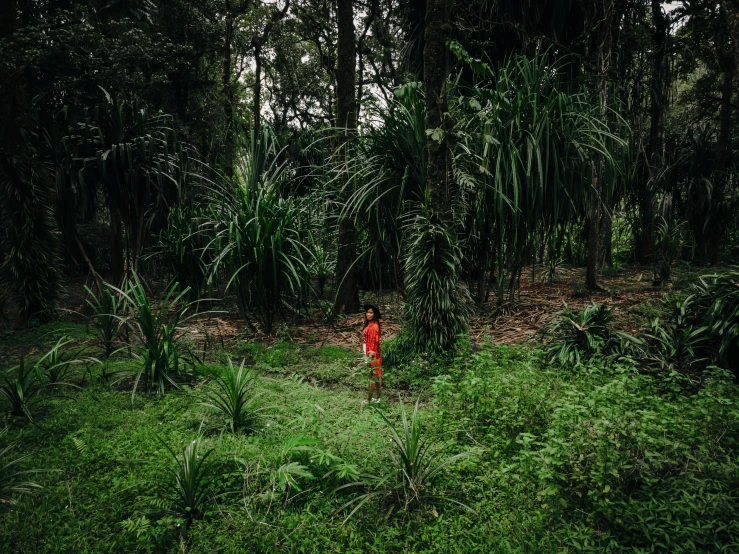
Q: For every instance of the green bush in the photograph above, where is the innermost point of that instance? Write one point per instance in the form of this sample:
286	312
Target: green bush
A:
579	336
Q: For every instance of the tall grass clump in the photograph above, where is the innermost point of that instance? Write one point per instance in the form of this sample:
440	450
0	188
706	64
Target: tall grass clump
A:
192	475
22	388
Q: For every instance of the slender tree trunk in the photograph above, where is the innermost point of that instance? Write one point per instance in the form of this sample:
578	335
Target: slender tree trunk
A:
723	144
605	17
591	275
731	11
228	97
655	146
117	247
347	276
606	231
257	107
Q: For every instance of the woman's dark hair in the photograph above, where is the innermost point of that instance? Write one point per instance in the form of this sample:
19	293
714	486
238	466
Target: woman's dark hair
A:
376	311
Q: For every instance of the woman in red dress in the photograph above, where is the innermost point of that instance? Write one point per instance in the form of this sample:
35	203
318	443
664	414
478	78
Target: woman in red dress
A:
371	347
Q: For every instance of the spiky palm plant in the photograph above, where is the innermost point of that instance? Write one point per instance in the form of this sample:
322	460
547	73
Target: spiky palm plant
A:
158	331
259	236
22	387
106	317
579	336
719	298
233	395
522	162
192	475
416	464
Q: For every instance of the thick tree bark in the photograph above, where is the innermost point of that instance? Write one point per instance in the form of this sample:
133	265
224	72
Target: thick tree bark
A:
347	276
436	68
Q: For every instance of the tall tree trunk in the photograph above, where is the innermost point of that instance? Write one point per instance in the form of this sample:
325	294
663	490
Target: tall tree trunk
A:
591	275
257	106
117	248
604	17
435	71
228	96
655	146
731	11
347	276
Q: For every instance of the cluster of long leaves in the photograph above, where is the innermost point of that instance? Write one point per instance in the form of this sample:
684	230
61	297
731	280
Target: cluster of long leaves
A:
258	235
525	145
25	386
23	389
719	295
13	481
106	311
679	343
158	333
416	464
437	302
233	395
30	261
192	475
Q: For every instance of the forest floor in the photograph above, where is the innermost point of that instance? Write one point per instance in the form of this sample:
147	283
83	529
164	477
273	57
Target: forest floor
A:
593	458
628	290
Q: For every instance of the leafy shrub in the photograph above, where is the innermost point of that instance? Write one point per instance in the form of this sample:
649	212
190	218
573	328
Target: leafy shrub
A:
677	345
12	481
182	245
628	458
669	235
579	336
56	364
259	236
233	395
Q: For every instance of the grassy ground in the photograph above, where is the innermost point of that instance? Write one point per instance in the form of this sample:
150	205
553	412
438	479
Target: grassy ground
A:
598	460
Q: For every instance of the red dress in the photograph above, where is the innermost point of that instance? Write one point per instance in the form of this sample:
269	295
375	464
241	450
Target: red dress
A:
371	343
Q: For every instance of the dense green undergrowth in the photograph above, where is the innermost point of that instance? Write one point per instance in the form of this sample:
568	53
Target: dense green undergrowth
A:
601	459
